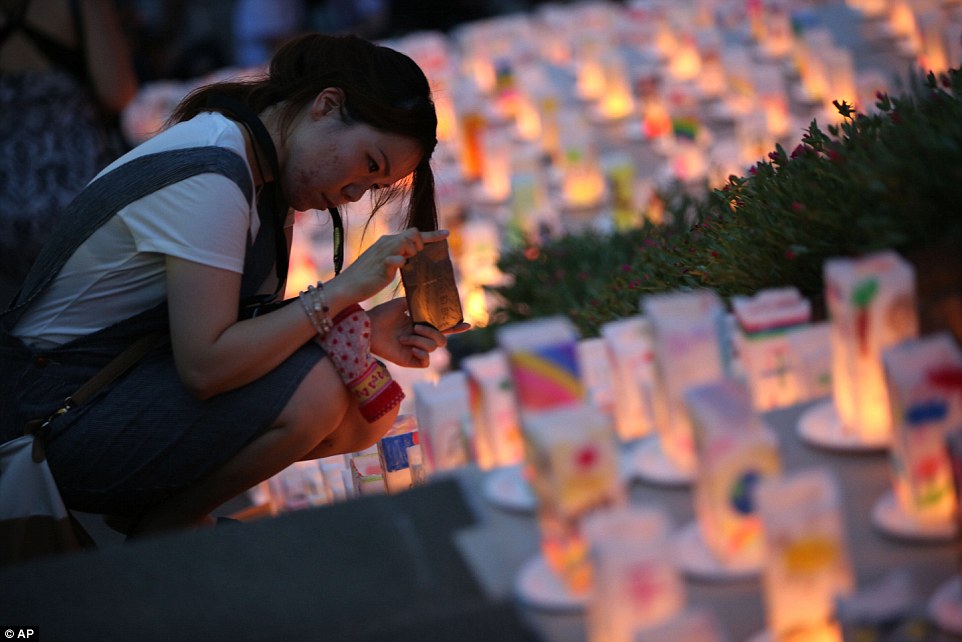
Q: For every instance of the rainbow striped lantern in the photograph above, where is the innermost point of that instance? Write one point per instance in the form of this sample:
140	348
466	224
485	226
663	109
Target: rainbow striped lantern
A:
871	302
735	453
543	358
924	379
494	410
806	561
629	344
573	457
687	329
765	322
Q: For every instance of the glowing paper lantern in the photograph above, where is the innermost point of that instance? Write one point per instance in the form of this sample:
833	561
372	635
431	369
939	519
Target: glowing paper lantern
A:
686	329
616	101
480	247
542	354
444	421
496	144
630	345
933	54
871	302
572	456
582	181
471	127
924	379
530	211
735	453
903	26
765	323
685	60
810	348
636	586
807	563
596	374
497	429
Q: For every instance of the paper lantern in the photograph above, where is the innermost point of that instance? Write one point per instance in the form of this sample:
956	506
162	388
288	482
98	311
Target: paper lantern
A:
494	411
572	458
806	563
765	323
924	378
444	421
616	101
871	302
543	359
735	453
686	327
595	365
636	586
496	143
630	345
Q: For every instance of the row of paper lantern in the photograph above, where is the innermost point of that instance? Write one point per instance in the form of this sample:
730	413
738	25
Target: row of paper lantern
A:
537	413
542	79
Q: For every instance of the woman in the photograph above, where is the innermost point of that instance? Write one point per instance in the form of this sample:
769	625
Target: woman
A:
230	400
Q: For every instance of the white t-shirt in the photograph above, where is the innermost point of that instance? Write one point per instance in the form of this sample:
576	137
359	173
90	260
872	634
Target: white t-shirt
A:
120	270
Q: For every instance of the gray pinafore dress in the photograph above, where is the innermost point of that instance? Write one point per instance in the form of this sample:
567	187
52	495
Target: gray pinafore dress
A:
143	437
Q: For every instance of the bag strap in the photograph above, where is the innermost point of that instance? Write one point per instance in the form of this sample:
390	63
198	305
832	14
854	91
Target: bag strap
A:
116	367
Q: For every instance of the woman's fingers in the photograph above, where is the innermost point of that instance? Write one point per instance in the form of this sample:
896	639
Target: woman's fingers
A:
416	240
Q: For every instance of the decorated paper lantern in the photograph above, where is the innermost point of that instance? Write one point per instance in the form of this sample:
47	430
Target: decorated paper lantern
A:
924	378
636	586
871	302
572	457
806	562
735	453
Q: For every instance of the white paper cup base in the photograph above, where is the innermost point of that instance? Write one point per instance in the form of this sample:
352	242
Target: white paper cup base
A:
889	518
645	461
537	586
945	606
695	560
506	488
821	426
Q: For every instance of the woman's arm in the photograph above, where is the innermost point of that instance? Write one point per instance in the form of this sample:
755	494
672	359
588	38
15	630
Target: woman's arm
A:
215	352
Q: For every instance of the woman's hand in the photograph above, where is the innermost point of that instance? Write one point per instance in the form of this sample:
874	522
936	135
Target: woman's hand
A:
394	338
377	266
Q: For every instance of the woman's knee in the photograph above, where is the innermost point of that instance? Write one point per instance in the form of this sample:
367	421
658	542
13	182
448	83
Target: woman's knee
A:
318	406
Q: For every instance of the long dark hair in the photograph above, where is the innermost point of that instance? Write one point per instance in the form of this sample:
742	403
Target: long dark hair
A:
382	87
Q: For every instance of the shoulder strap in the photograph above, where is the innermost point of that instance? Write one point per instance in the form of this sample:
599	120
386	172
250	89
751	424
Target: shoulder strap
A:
272	195
102	198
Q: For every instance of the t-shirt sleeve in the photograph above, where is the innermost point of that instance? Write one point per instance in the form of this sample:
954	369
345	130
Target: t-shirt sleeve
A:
204	218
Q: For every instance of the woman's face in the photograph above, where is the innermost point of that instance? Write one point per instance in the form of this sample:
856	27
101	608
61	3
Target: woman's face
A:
327	162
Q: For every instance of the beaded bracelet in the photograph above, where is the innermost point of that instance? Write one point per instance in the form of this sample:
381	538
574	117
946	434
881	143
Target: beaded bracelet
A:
316	308
321	309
